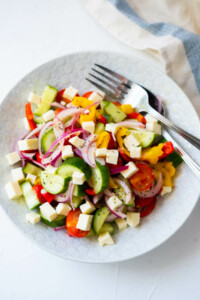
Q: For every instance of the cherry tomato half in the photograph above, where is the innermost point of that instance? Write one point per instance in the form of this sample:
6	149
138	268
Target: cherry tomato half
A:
71	222
146	210
143	179
141	202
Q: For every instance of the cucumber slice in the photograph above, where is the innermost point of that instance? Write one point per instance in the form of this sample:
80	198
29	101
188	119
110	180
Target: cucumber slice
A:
100	127
72	164
119	191
32	169
53	184
79	190
25	187
47	98
113	111
32	200
145	138
99	218
100	177
107	227
59	221
103	104
47	140
77	201
38	120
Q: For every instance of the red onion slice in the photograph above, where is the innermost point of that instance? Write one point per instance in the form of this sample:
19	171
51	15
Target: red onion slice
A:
88	151
27	155
116	212
118	170
78	152
63	198
58	105
97	197
131	124
126	189
52	158
33	132
59	228
154	190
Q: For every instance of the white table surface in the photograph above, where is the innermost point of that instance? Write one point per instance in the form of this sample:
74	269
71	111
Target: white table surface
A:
31	33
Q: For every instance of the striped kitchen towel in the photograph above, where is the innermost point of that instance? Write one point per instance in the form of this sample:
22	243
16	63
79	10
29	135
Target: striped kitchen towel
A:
169	29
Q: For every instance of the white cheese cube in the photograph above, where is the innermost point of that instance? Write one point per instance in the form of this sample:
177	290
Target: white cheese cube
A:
101	160
49	115
63	103
32	178
136	152
84	222
105	239
101	93
63	209
111	127
89	126
13	158
87	208
33	98
70	93
133	219
17	174
150	119
26	124
77	142
154	127
40	125
101	152
121	223
51	170
30	144
32	218
130	141
114	202
112	157
166	190
132	169
67	152
95	97
48	211
78	177
13	190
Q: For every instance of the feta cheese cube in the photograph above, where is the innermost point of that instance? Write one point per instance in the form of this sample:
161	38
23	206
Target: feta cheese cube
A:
112	157
13	158
89	126
101	152
48	211
26	124
121	223
166	190
70	93
32	178
78	177
30	144
63	209
49	115
105	239
63	103
51	170
67	152
114	202
32	218
150	119
33	98
154	127
77	142
133	219
84	222
13	190
111	127
17	174
95	97
40	125
87	208
130	141
130	171
136	152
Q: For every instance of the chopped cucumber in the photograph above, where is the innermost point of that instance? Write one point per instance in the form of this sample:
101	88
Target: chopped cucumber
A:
47	98
107	227
174	157
58	221
113	111
25	187
31	199
32	169
99	218
119	191
103	104
108	118
100	177
145	138
100	127
38	120
47	140
53	184
77	201
72	164
79	190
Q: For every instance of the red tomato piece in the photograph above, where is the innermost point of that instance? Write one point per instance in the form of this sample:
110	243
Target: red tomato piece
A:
141	202
87	95
57	111
143	179
123	155
137	116
102	119
60	95
90	192
71	222
37	189
146	210
116	103
30	116
167	149
38	157
112	144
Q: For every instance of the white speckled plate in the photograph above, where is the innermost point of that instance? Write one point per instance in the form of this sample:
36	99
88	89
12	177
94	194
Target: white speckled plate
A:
171	211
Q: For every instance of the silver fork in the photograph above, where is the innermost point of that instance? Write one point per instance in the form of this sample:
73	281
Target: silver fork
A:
122	89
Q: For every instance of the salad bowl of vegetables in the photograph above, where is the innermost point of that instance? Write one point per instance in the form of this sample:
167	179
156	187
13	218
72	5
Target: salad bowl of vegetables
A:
91	178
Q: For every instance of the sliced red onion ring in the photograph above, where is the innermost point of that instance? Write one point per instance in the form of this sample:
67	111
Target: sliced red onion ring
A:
42	131
131	124
118	170
112	217
126	189
89	151
78	152
57	162
116	212
59	228
27	155
33	132
58	105
69	112
63	198
154	190
97	197
52	158
108	193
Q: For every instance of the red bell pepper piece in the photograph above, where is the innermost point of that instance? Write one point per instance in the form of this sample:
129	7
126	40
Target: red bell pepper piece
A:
124	156
102	119
90	192
57	111
116	103
30	116
137	116
112	144
38	157
48	197
60	95
167	149
87	95
37	189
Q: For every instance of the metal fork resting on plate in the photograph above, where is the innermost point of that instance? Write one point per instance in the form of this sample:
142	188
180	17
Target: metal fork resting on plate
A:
124	90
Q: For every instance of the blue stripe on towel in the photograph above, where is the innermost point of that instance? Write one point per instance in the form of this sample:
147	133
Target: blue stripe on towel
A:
190	40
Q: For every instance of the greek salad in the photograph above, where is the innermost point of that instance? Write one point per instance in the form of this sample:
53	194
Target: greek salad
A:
89	166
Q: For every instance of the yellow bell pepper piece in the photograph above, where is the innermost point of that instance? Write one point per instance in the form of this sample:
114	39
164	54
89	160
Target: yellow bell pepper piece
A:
127	108
121	134
84	102
38	181
103	139
168	171
152	154
112	184
99	112
81	102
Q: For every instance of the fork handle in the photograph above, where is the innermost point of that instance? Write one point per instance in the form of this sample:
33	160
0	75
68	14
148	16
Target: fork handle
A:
187	136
